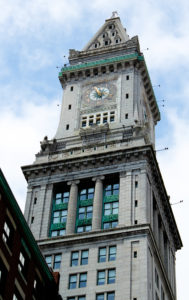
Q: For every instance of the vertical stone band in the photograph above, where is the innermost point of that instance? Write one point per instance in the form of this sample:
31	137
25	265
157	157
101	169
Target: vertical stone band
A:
72	207
97	203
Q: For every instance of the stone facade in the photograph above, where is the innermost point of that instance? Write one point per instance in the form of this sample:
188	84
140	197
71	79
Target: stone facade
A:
96	187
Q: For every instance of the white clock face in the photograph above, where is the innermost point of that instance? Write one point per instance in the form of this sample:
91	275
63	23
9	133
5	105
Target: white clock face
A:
99	93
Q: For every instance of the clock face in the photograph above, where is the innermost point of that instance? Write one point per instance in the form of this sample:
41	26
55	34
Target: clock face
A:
98	94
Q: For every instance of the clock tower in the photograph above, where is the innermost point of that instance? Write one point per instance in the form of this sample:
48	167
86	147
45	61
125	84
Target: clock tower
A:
96	201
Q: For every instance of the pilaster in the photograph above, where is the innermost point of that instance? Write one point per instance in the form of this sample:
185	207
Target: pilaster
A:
72	207
97	203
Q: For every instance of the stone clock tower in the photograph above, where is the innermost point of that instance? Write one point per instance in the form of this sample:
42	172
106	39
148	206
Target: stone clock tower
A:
96	201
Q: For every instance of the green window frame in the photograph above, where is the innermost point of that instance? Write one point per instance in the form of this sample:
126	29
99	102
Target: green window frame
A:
112	189
60	216
111	208
84	228
108	225
62	198
87	193
85	212
58	232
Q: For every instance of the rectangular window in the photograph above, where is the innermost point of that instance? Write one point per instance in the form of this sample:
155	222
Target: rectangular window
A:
62	197
126	116
71	88
67	127
83	280
85	228
108	225
156	278
81	298
111	208
60	216
111	276
102	254
48	260
112	118
23	263
84	123
110	296
72	281
69	107
8	233
57	261
100	297
127	77
59	232
84	257
112	189
127	96
86	194
112	253
85	212
74	258
101	278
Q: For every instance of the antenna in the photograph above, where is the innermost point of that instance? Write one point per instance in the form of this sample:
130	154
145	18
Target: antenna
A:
181	201
166	148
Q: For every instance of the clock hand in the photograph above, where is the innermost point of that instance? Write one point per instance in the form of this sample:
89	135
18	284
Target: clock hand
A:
98	91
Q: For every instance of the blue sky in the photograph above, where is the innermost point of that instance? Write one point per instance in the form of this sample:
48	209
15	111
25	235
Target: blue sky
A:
36	35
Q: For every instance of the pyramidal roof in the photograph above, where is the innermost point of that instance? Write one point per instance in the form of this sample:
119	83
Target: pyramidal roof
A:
111	33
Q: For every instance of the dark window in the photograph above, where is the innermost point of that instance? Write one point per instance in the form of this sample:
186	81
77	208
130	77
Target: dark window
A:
74	258
112	118
72	282
8	233
84	257
23	263
3	277
102	254
83	280
106	43
136	184
71	88
67	127
101	277
126	116
136	222
32	220
136	203
57	261
127	96
112	253
111	276
35	200
69	106
127	77
135	254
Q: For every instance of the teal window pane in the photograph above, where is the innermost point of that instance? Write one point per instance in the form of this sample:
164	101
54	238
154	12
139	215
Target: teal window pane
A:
83	280
112	253
100	297
84	257
111	296
101	278
74	258
102	255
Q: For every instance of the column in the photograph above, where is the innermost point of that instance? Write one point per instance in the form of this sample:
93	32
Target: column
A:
125	198
72	207
97	203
